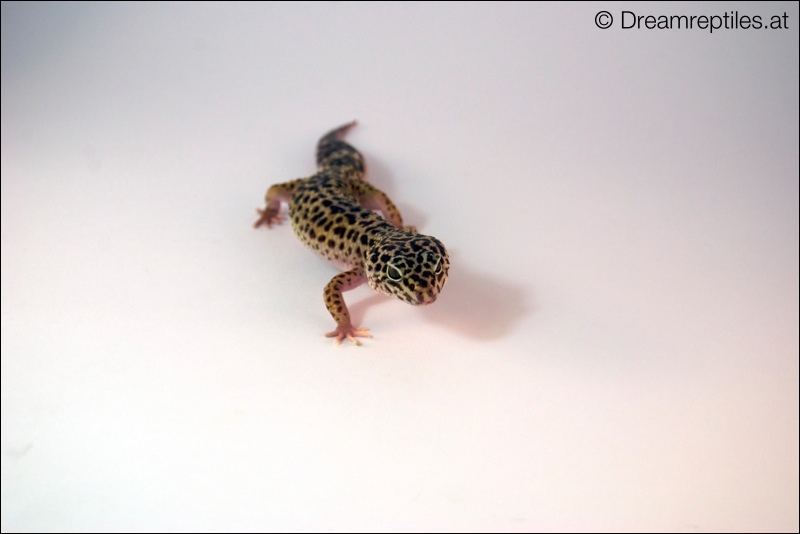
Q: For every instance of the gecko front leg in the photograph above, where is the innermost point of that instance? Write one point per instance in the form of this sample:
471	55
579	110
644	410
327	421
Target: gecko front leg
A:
334	301
374	199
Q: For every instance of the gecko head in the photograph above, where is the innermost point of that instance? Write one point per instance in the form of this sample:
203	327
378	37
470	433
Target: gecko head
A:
411	267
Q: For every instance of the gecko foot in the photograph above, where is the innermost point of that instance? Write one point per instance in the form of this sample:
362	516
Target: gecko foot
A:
349	333
267	217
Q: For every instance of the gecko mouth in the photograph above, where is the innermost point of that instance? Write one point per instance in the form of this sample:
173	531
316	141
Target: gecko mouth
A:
425	300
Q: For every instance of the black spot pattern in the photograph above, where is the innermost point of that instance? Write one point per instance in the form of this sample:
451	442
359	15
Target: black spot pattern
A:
326	215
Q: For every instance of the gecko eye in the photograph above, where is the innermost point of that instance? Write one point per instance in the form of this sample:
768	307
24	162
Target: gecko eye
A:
394	274
436	260
437	268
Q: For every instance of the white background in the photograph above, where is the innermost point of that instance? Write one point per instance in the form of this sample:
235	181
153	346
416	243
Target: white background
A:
616	347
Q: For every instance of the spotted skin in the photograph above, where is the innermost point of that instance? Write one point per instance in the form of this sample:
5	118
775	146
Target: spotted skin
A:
333	212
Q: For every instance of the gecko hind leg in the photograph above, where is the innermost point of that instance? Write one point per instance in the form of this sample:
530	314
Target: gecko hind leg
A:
275	195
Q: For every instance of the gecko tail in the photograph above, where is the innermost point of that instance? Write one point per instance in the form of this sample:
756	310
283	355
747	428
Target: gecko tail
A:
335	154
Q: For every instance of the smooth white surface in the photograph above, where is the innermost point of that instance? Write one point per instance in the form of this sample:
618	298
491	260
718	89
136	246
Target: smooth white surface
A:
616	348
